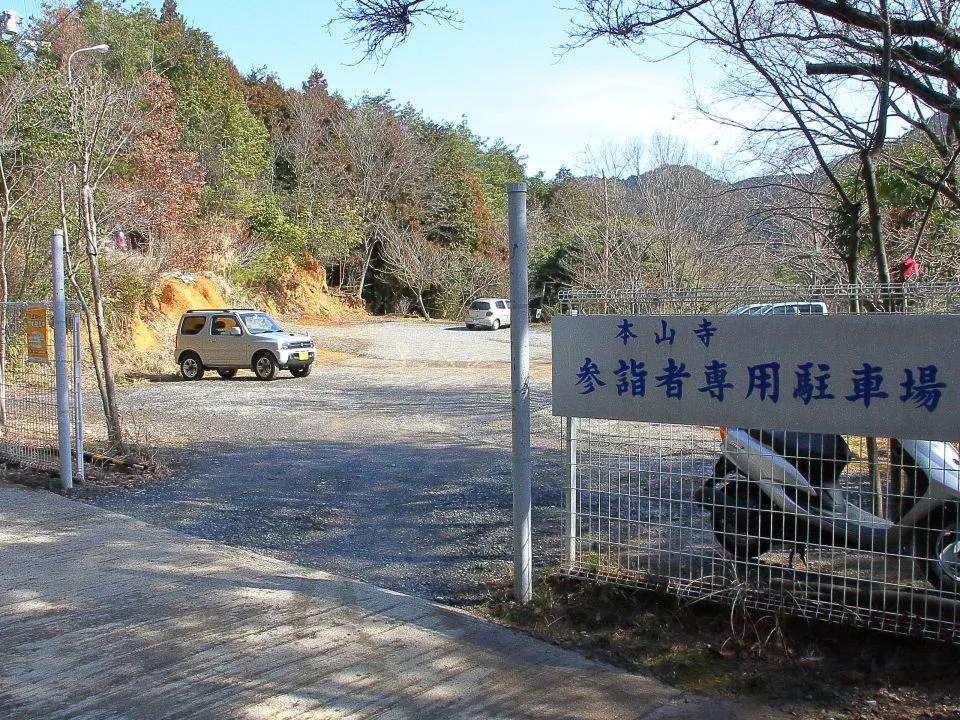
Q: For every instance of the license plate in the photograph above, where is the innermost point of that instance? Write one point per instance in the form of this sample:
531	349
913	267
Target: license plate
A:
303	355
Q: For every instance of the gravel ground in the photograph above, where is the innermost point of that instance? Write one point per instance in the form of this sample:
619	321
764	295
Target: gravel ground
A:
391	463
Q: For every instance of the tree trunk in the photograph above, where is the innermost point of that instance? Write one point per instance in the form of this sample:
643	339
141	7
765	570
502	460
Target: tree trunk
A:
4	298
423	307
873	213
108	397
363	273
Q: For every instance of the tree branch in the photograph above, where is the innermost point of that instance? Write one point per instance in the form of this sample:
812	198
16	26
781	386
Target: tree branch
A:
847	13
381	25
937	100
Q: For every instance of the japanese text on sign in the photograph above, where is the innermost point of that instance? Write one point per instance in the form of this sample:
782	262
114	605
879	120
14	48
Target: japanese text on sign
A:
37	340
872	374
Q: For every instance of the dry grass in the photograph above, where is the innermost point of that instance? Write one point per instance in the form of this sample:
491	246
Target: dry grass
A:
810	670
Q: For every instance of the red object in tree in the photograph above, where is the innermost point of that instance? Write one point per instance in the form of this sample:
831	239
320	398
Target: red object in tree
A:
910	270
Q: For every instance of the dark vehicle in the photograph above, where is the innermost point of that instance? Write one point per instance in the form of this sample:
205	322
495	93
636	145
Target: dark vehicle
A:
780	488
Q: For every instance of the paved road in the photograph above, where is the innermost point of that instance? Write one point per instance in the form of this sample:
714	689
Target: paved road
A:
102	616
390	463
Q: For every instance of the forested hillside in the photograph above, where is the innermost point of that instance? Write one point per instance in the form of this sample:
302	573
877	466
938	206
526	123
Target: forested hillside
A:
116	119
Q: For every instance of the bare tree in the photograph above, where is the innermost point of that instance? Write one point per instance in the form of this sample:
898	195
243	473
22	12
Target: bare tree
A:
314	153
375	162
792	220
698	231
830	75
469	274
380	25
103	118
412	259
673	226
26	183
609	240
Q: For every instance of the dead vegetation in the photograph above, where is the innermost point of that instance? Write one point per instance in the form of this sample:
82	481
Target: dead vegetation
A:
810	670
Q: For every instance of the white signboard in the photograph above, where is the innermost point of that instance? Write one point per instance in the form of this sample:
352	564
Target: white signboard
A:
885	375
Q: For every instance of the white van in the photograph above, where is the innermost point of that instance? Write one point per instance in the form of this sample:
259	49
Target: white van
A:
785	308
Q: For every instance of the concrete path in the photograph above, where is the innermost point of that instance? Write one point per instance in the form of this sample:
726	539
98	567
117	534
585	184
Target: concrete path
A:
103	616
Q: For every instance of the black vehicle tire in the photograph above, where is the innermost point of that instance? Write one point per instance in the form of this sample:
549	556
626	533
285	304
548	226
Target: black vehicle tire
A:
265	366
227	373
939	550
300	371
743	543
191	368
496	324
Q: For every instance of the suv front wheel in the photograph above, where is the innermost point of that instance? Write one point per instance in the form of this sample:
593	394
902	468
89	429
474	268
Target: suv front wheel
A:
190	367
265	366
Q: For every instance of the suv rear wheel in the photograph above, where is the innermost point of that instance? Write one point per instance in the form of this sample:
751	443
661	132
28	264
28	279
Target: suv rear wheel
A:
190	366
300	371
265	366
227	373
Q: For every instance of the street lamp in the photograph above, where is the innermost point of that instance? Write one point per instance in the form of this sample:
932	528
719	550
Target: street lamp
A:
103	48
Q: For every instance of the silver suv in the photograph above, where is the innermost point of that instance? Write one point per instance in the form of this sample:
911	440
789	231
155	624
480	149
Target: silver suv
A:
234	339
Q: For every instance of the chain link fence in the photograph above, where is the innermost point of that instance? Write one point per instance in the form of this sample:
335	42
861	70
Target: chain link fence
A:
661	506
28	393
842	299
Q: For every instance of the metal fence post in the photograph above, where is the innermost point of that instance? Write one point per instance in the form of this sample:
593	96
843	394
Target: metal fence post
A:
60	360
77	399
520	392
572	490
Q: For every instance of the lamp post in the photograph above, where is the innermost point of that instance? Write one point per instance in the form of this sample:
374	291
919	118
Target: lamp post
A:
102	48
60	324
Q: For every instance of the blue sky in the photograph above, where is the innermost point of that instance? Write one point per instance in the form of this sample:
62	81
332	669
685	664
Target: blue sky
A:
500	69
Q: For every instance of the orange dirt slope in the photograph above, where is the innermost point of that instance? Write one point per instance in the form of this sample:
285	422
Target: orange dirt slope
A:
304	298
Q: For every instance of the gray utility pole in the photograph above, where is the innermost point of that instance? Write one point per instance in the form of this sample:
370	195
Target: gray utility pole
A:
60	361
520	392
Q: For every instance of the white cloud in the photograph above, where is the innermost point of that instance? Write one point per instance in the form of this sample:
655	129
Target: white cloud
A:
555	120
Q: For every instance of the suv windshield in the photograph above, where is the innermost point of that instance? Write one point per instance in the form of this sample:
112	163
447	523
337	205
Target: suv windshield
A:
259	323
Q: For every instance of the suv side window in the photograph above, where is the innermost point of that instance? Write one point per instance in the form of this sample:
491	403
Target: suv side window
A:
192	325
222	324
784	310
501	305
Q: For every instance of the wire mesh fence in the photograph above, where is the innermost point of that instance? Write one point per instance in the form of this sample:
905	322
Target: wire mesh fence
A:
892	297
846	528
28	394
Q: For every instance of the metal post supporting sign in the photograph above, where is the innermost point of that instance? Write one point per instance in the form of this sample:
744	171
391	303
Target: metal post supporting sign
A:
520	392
60	358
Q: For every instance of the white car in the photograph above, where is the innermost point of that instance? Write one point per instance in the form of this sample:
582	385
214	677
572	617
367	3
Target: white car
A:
491	313
783	308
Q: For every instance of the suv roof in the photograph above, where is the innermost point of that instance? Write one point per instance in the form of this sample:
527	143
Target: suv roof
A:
220	310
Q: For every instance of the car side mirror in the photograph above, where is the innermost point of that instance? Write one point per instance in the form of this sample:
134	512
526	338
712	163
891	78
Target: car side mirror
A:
235	331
